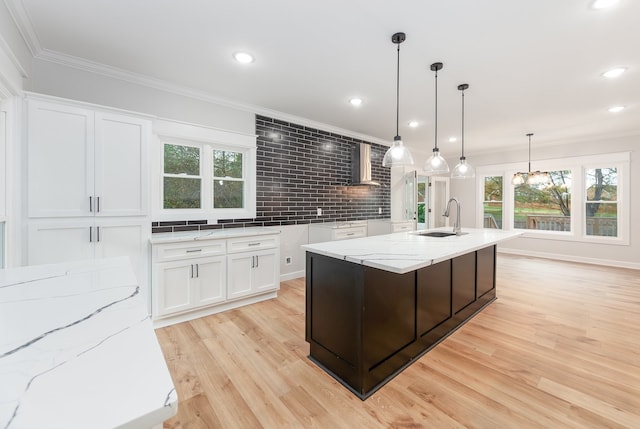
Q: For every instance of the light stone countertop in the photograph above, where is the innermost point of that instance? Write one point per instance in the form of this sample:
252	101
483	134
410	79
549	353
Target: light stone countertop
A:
403	252
77	349
211	234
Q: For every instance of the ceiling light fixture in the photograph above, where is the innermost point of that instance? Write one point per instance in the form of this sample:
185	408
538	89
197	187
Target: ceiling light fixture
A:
397	155
531	177
616	109
452	139
614	72
436	164
355	101
603	4
413	124
462	170
243	57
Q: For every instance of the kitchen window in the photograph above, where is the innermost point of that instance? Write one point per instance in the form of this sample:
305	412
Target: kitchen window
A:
598	184
206	174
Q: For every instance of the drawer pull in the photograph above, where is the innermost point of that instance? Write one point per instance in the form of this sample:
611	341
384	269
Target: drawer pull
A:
253	244
194	250
351	233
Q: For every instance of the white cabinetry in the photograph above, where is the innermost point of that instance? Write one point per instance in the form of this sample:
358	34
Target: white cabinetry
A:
86	184
388	226
320	232
253	269
193	278
85	163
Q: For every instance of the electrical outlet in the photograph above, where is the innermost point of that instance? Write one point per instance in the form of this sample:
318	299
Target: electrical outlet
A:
319	211
287	260
379	210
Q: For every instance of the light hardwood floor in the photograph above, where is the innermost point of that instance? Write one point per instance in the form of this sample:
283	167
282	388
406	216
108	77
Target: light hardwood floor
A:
560	348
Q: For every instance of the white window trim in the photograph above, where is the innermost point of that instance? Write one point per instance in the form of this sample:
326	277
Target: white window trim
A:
578	165
208	139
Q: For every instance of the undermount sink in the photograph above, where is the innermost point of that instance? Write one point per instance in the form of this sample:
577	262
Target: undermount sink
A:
439	234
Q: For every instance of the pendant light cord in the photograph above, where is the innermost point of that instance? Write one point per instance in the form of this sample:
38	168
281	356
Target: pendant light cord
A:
398	94
436	124
463	124
529	135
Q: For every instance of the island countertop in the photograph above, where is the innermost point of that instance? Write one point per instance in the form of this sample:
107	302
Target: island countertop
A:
403	252
77	349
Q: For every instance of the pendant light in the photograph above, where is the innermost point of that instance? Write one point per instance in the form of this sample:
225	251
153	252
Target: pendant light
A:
397	155
463	170
436	164
531	177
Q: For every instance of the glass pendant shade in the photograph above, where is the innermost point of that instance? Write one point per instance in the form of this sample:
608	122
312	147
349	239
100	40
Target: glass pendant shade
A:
462	170
436	164
397	155
517	179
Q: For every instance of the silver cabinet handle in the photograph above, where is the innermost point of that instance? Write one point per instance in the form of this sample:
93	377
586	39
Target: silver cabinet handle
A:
197	270
191	275
257	261
97	204
194	250
98	234
253	244
351	233
90	234
90	204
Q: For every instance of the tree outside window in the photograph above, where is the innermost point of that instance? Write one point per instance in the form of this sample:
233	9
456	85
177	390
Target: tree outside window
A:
544	207
228	180
181	181
601	206
492	202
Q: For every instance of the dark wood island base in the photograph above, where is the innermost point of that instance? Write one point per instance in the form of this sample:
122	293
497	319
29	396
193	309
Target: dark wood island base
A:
365	325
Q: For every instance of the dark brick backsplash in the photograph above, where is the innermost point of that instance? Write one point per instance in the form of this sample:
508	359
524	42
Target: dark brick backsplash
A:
299	169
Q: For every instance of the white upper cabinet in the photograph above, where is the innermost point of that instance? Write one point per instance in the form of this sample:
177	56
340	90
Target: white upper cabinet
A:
85	163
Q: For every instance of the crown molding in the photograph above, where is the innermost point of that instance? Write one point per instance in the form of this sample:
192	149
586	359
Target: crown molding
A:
162	85
25	27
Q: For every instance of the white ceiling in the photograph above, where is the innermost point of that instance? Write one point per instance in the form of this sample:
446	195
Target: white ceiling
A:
532	66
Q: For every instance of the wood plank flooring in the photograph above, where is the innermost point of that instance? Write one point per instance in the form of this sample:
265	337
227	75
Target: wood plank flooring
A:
560	348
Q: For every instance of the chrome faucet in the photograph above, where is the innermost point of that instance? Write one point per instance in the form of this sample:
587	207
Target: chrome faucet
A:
456	226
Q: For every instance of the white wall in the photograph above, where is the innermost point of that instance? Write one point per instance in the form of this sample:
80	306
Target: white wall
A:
618	255
68	82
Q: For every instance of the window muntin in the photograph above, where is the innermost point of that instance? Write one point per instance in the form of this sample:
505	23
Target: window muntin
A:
544	207
182	181
601	202
492	202
228	179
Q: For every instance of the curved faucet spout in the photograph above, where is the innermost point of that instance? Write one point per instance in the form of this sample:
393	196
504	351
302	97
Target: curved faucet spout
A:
456	226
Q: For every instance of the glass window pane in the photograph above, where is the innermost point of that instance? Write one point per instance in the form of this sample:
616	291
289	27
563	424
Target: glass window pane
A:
544	207
601	209
228	194
227	164
181	193
492	202
181	160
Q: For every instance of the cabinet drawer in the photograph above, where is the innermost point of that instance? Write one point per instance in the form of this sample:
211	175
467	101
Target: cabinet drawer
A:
399	227
191	249
246	244
352	232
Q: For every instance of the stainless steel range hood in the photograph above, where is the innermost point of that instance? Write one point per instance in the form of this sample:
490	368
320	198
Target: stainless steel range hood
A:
361	165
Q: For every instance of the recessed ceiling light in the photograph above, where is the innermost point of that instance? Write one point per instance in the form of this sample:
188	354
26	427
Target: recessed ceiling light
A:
452	139
413	124
614	72
243	57
355	101
616	109
603	4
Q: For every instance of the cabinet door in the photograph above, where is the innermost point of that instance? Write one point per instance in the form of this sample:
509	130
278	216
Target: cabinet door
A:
113	239
265	273
59	160
120	165
463	283
211	280
173	291
239	273
54	242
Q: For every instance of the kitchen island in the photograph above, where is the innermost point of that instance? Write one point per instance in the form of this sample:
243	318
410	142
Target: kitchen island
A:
77	349
375	304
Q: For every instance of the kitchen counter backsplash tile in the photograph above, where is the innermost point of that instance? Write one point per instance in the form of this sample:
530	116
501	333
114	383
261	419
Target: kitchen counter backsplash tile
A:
299	169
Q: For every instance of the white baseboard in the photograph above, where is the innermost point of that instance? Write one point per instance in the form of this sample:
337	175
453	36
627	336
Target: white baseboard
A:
291	276
570	258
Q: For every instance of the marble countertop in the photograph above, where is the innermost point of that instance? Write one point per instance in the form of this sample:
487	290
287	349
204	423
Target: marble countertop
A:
77	349
211	234
403	252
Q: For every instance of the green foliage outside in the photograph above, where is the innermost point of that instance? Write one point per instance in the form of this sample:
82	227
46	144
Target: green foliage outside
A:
227	193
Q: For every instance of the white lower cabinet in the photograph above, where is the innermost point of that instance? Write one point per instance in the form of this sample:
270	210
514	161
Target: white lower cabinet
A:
251	273
192	278
186	285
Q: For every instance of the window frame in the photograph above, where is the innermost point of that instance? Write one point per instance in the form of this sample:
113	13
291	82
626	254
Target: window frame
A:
208	140
578	166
